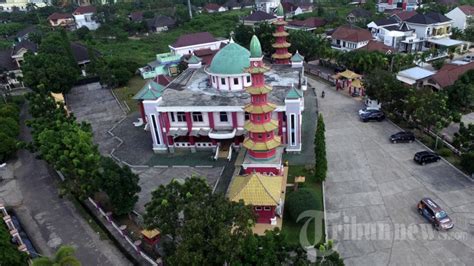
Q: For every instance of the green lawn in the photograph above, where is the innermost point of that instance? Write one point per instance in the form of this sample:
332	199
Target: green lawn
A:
291	228
125	94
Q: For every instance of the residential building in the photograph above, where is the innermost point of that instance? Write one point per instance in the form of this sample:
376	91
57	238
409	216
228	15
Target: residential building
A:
309	24
84	16
165	64
461	16
65	20
160	23
414	76
257	17
11	60
81	55
292	9
267	6
20	5
348	38
232	5
358	15
406	5
376	26
188	43
447	75
25	33
373	46
136	16
391	33
205	107
212	8
401	15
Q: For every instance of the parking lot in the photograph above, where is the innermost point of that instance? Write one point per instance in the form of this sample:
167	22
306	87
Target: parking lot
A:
372	189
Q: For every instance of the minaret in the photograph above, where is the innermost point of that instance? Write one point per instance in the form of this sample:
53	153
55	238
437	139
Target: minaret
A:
281	55
261	141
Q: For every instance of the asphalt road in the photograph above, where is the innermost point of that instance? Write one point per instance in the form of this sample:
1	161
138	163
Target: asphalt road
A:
372	189
51	221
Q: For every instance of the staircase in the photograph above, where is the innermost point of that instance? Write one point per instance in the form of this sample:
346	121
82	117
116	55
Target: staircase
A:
224	149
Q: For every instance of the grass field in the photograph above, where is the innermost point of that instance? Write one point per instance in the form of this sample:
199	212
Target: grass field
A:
125	94
291	228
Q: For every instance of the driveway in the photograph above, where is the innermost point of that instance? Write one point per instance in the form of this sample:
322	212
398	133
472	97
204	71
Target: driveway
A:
51	221
373	186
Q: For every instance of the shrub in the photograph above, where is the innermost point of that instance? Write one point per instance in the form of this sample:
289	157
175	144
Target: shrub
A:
438	64
466	162
301	200
7	146
445	152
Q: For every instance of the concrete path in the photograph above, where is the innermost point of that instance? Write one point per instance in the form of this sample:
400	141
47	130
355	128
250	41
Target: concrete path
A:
51	221
373	187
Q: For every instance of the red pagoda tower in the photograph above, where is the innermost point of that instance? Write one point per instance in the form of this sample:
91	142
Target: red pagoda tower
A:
261	141
281	55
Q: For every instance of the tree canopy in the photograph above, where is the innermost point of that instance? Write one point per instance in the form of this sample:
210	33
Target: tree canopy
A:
207	229
9	254
64	257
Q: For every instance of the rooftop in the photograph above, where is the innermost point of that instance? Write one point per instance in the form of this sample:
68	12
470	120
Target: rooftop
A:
259	16
404	15
56	16
256	189
193	39
467	9
308	23
449	73
84	10
377	46
428	18
192	88
360	13
212	6
385	21
351	33
413	74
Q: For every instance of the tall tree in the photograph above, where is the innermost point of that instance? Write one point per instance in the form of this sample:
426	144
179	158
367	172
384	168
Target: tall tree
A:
64	257
120	184
461	93
54	65
384	87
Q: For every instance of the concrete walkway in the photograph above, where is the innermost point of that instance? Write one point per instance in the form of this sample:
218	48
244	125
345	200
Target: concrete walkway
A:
51	221
372	189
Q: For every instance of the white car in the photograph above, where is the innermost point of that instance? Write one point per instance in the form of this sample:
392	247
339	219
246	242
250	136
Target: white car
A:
468	58
368	110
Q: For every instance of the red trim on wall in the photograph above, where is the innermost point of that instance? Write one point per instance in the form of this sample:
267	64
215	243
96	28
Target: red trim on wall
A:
210	115
263	216
166	120
142	111
189	122
234	119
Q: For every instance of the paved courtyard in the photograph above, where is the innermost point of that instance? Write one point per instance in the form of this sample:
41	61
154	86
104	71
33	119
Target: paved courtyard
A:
97	106
372	189
152	177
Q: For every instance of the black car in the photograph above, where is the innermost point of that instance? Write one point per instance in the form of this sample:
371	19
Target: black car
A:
403	136
376	115
424	157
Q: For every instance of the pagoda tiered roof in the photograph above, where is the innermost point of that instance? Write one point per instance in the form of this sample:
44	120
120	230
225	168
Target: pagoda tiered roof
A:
280	23
281	56
262	145
256	189
262	127
281	45
259	109
257	70
280	34
258	90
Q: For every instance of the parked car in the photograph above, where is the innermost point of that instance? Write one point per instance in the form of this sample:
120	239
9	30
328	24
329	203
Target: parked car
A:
434	214
402	136
368	110
468	58
376	115
424	157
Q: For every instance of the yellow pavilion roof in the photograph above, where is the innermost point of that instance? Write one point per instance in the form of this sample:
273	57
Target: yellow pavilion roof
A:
150	233
258	90
256	189
356	83
281	45
347	74
259	109
261	128
262	146
280	34
281	56
279	22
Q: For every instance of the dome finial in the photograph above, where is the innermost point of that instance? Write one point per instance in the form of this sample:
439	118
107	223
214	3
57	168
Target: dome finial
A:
255	47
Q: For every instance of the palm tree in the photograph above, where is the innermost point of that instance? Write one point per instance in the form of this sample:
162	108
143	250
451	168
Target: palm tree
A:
63	257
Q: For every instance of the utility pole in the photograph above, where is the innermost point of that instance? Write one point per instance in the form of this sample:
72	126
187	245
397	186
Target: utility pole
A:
190	10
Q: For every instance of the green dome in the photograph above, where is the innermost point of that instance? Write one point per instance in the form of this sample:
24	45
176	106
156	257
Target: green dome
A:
232	59
279	11
255	48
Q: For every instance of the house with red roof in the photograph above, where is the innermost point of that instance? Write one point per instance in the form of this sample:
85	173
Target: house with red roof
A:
61	20
85	17
373	46
401	15
309	24
461	16
349	37
448	75
189	43
213	7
